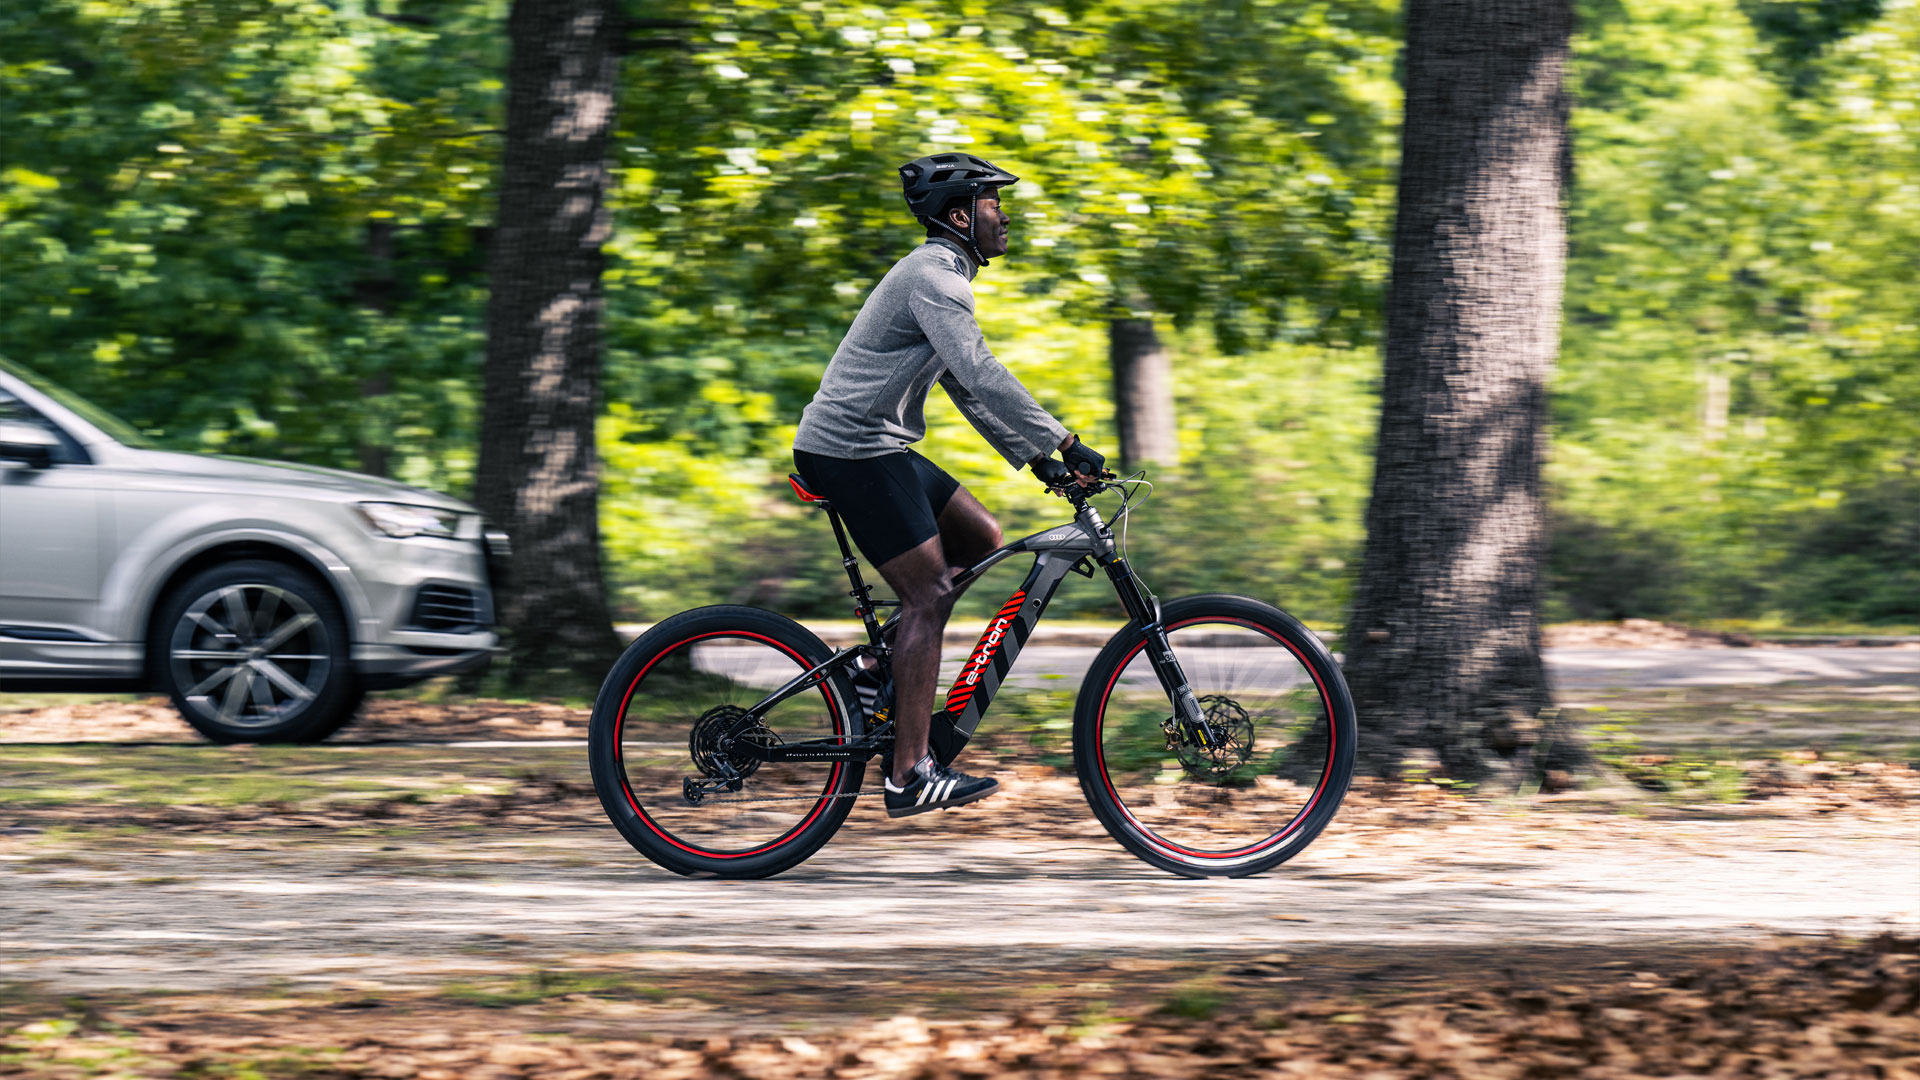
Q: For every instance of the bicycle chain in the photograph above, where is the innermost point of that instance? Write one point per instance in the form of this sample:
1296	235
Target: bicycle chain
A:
785	798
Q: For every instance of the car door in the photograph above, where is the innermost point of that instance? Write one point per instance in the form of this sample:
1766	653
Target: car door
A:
50	554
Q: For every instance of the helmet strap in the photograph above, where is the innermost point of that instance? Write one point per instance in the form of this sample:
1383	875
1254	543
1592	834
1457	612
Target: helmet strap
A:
973	216
973	222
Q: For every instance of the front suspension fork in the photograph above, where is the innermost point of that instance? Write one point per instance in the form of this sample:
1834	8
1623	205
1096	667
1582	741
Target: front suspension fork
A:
1146	613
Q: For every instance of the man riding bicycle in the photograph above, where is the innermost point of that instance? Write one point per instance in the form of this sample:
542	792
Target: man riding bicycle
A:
912	521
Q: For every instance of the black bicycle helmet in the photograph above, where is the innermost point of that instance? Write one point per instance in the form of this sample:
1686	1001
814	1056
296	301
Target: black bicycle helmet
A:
931	184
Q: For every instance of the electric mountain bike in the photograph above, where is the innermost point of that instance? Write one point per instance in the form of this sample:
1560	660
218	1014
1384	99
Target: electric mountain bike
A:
1213	735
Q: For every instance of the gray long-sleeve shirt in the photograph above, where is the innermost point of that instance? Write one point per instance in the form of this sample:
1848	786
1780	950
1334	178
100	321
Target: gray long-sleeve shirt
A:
916	327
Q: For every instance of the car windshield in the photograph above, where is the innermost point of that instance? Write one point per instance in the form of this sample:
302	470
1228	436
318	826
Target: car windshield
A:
115	428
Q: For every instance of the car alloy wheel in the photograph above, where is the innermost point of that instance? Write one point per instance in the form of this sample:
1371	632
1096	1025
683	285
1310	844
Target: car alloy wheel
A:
250	655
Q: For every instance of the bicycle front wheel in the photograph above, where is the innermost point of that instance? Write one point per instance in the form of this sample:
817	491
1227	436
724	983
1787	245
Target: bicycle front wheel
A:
671	784
1264	777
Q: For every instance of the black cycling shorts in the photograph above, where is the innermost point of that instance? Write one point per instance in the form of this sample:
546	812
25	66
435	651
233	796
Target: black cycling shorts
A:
891	503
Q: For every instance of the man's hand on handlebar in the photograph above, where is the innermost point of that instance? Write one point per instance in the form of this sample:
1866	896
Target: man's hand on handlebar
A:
1085	461
1051	472
1084	466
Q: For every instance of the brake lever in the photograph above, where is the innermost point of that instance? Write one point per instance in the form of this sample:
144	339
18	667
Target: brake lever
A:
1102	484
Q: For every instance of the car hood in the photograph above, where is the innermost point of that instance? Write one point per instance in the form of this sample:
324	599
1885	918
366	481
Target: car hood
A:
308	478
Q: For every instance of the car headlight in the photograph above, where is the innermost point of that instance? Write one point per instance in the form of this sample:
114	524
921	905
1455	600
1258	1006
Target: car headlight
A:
399	519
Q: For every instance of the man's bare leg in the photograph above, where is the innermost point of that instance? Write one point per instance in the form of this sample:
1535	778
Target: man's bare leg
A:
923	580
920	579
968	533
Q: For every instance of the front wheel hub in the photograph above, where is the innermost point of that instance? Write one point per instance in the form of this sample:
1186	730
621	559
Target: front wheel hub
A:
1224	745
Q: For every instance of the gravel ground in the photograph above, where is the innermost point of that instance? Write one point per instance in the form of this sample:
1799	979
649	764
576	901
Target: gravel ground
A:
488	885
437	895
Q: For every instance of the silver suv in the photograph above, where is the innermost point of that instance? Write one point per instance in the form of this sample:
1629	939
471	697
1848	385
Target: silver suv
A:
265	598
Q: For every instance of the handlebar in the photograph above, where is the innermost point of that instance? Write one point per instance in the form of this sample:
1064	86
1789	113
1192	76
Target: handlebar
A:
1075	493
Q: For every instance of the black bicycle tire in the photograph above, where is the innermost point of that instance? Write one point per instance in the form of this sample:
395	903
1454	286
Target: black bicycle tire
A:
1094	691
603	748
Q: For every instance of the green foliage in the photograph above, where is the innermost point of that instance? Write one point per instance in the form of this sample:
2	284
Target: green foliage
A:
1596	571
260	226
227	221
1740	346
1861	559
1798	30
1223	166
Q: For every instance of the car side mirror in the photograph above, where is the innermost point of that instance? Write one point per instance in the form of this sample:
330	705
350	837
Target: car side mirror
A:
27	443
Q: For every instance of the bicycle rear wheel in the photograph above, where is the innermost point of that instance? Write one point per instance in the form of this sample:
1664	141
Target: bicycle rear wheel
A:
656	732
1274	764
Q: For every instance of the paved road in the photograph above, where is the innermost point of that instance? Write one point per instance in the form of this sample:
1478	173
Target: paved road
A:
1587	669
254	911
495	903
1603	668
1065	652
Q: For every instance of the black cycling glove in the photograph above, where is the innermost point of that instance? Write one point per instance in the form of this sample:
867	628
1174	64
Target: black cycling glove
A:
1052	473
1084	460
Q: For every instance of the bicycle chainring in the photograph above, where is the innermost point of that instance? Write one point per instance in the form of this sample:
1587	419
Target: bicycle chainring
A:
732	763
1229	730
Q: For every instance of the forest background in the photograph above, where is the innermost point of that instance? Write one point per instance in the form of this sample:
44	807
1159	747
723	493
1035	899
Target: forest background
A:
260	226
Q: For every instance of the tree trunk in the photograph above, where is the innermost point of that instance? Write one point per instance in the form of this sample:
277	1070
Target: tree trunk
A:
1142	394
375	291
1443	650
538	474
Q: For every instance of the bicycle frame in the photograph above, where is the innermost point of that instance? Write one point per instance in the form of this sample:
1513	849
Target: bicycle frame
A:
1084	541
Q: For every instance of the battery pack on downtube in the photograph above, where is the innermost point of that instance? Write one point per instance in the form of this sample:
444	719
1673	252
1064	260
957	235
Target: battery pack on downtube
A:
993	655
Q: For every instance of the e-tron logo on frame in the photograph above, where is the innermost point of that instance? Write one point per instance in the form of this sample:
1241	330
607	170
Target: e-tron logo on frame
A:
983	653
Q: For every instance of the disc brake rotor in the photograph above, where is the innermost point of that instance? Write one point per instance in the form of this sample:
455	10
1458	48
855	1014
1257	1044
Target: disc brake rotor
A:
1230	733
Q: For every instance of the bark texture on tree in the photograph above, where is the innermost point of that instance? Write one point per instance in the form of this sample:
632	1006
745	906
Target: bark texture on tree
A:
1142	394
375	291
1443	651
539	473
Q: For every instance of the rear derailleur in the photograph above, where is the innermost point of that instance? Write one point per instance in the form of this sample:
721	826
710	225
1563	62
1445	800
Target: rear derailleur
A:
719	752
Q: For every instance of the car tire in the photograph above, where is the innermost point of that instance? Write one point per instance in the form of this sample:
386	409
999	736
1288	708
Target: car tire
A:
255	651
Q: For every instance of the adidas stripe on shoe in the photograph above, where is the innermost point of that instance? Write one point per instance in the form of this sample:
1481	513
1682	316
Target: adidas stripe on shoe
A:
933	787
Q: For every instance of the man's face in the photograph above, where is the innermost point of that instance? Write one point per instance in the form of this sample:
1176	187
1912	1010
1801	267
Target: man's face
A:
990	231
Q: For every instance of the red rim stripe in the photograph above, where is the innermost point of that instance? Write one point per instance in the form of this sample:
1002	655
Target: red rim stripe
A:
620	720
1100	751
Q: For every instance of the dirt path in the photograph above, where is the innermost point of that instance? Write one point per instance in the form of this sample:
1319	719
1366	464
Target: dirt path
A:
439	896
257	905
159	864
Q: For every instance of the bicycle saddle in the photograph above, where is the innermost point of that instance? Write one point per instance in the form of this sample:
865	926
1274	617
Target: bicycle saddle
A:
806	495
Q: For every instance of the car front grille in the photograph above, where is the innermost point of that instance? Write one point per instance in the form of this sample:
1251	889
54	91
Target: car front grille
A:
445	609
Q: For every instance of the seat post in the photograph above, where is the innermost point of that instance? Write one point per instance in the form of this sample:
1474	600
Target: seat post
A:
862	594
